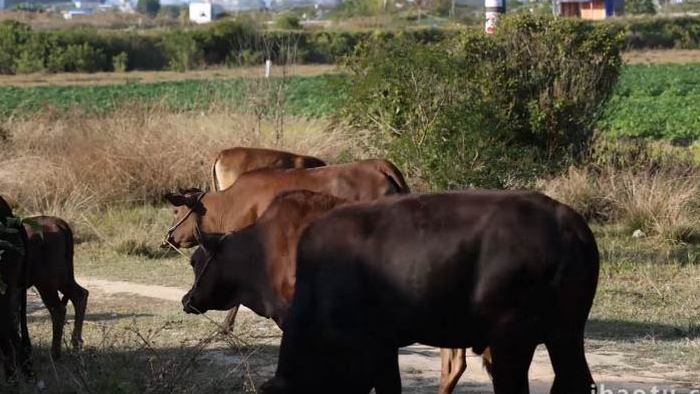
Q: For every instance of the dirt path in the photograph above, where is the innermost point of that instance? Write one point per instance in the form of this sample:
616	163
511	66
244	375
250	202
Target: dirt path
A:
420	365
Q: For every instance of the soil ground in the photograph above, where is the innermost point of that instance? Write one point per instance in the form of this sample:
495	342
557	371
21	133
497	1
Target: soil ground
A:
420	365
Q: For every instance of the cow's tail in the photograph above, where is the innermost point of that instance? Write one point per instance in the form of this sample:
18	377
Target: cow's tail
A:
26	342
214	182
394	175
70	251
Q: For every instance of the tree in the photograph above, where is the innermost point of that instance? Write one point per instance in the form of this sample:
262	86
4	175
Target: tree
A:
148	7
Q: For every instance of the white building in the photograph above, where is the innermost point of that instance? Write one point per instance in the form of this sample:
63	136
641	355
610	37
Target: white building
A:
203	12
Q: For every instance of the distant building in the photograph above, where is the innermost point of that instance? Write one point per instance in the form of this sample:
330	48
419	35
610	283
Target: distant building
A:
203	12
590	9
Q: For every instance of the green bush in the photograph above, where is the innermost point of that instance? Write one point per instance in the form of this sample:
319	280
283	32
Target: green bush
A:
120	62
13	35
170	11
76	57
488	111
182	51
640	7
221	42
148	7
288	22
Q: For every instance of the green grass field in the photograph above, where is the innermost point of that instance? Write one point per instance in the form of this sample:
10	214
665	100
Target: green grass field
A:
305	96
650	101
656	101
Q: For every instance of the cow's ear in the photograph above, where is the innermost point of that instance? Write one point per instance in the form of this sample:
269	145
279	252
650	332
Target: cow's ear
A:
192	190
177	200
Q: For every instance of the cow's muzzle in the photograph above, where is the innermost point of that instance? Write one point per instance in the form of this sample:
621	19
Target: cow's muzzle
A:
189	307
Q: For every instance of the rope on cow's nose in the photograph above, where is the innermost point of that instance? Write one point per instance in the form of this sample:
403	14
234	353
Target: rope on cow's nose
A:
200	313
167	241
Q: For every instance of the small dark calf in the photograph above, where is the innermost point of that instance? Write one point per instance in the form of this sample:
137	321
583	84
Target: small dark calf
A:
50	259
14	346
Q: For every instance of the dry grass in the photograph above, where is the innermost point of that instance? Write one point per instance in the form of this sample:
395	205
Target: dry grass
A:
660	204
144	345
66	165
100	20
662	56
111	78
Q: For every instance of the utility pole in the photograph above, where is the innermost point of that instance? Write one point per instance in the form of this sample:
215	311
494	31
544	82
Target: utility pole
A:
494	10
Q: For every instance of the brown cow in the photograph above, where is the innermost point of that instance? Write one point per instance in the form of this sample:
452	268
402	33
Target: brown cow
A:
241	204
232	163
50	259
15	345
257	266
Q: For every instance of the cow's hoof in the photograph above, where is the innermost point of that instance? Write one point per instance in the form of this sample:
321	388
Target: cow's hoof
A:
275	385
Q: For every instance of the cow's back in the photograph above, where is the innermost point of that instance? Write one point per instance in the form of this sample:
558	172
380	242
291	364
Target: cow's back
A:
455	260
49	249
231	163
251	195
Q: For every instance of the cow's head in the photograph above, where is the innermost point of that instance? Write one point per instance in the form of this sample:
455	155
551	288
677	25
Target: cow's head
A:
212	288
187	208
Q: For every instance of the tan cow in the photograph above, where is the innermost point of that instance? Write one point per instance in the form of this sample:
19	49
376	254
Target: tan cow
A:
246	200
232	163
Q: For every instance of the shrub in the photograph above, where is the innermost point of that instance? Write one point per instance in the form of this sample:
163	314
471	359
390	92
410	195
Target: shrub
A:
288	22
182	51
12	37
148	7
640	7
170	11
76	57
120	62
488	111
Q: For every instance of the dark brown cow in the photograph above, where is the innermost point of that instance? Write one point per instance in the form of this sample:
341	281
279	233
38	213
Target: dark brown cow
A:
15	345
256	267
50	259
232	163
504	270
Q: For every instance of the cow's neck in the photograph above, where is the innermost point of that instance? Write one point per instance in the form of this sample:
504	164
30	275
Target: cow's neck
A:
252	278
212	220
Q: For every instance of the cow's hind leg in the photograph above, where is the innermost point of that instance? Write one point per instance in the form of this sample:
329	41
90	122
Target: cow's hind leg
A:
389	378
454	364
78	297
571	373
58	317
511	362
7	349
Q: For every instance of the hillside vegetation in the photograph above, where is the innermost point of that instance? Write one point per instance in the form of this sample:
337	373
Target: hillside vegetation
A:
243	42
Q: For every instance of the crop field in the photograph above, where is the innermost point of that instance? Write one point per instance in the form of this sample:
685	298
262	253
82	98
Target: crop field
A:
657	101
304	96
